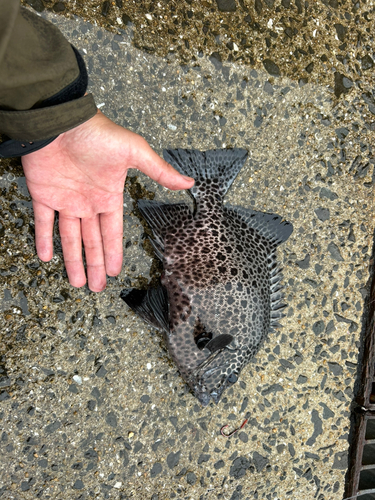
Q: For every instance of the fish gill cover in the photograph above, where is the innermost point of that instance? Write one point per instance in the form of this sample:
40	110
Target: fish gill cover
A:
220	292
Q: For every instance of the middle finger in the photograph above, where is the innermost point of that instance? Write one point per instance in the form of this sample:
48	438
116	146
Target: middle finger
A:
70	233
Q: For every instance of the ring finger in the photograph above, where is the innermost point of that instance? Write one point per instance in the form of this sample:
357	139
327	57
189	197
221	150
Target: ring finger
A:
92	241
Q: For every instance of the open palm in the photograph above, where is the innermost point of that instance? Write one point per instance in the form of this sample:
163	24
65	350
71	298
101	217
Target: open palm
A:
81	174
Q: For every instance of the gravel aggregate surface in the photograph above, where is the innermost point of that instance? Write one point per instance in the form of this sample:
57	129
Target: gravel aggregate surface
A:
91	405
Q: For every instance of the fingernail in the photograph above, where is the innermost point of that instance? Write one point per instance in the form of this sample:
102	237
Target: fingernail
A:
187	178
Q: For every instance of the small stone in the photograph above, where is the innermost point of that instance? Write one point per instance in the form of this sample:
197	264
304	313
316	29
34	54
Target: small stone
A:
260	461
348	84
335	369
219	465
327	413
327	193
77	379
111	419
318	327
239	467
342	132
271	67
318	429
191	478
37	5
90	454
305	263
105	8
137	446
126	20
156	469
215	58
322	214
49	429
341	31
340	460
59	7
242	436
367	62
91	405
173	459
335	252
101	371
340	88
226	5
25	486
78	485
268	88
203	458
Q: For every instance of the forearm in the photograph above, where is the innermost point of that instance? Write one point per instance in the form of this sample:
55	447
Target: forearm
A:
39	77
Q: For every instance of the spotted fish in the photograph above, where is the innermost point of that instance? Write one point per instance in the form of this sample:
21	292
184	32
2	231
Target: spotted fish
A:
219	294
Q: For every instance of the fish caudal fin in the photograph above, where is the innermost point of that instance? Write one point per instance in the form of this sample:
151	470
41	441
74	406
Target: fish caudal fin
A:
218	167
270	226
151	305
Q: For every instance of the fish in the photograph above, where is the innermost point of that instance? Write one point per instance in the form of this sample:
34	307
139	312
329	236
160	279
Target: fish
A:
220	291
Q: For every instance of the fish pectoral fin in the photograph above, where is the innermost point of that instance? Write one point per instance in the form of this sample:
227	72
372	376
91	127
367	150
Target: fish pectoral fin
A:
161	216
151	305
271	226
219	342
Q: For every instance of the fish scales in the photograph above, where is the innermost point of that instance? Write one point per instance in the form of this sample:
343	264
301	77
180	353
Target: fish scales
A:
220	293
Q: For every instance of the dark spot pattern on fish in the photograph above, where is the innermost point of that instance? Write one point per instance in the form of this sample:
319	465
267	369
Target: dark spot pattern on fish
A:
219	294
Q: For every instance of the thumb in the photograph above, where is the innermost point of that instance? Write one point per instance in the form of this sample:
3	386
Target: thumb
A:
159	170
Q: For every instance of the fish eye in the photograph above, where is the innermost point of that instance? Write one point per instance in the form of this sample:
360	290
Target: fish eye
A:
232	378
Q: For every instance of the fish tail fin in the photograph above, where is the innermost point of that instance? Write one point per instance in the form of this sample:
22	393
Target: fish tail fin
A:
151	305
212	170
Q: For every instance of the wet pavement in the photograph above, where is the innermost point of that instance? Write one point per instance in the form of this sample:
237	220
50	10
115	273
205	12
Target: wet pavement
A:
91	405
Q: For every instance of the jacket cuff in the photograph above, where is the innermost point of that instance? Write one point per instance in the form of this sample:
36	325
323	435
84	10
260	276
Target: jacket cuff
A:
43	123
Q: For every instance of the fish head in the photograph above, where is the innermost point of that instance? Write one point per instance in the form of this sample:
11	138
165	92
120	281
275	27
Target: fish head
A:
211	384
211	377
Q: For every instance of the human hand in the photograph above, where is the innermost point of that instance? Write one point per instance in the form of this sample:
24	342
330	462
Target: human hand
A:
81	174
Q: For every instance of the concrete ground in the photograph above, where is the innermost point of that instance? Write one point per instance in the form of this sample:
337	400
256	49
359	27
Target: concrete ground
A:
91	405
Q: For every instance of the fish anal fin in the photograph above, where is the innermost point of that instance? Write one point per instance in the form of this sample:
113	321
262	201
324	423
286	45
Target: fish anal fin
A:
271	226
151	305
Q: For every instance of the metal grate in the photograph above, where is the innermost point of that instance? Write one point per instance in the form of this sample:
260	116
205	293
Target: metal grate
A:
361	473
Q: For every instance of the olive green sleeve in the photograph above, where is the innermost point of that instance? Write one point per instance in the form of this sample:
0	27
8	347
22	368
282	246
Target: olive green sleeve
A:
36	62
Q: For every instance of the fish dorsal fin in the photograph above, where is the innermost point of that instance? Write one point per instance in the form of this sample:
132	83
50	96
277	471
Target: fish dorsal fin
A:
161	216
271	226
219	342
216	168
151	305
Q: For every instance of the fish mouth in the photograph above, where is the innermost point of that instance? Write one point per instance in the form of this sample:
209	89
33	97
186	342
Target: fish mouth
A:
207	386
